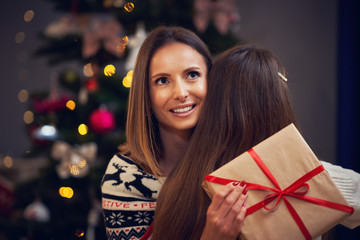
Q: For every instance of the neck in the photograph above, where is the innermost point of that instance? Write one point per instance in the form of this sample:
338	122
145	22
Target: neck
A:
174	146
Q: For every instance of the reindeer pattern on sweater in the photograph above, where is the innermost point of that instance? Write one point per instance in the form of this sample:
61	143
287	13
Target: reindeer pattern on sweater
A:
129	197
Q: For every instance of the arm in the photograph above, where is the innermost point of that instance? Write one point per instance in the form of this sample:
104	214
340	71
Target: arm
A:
128	199
226	213
348	182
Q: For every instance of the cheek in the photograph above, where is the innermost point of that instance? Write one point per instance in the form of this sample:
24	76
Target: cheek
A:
202	90
158	98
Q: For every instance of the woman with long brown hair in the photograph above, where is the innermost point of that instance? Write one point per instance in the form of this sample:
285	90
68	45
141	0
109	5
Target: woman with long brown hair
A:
167	94
248	100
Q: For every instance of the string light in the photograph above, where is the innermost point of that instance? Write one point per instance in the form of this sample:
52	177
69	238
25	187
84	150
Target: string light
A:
8	161
28	117
128	79
70	105
83	129
79	233
29	15
74	170
88	71
23	95
125	41
109	70
66	192
19	37
129	7
47	132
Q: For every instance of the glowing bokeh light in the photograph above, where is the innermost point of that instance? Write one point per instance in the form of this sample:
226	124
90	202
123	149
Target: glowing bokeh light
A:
70	105
88	71
46	132
125	40
19	37
83	129
79	233
28	117
109	70
82	163
74	170
128	79
130	73
23	95
8	161
29	15
66	192
129	7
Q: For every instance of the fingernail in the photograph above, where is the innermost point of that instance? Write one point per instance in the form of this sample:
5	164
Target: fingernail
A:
242	183
245	191
235	183
244	205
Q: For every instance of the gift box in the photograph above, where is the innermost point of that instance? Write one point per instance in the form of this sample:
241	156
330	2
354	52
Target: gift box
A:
291	196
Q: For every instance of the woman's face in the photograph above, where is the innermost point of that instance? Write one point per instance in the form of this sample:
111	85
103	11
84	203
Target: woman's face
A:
177	84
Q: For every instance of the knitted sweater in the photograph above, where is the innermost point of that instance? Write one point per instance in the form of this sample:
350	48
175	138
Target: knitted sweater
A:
128	199
348	182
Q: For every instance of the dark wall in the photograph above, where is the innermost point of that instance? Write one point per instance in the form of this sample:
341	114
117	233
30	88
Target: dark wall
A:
301	33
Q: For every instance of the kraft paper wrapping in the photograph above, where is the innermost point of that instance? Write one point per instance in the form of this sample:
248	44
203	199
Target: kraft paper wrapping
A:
288	157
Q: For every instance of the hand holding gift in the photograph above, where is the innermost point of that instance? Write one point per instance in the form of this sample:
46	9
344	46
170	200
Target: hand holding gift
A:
291	196
226	213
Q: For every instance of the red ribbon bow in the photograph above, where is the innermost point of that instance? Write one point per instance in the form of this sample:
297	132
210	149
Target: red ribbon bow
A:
281	194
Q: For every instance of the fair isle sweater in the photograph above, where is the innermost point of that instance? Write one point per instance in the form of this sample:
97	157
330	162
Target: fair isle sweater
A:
128	199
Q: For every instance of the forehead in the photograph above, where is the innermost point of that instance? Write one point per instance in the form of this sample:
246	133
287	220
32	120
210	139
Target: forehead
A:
175	55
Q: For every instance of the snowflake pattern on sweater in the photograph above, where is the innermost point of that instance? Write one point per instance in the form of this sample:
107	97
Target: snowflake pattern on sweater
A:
129	197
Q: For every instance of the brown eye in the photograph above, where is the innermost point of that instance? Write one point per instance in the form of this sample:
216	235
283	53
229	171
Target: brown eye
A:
161	81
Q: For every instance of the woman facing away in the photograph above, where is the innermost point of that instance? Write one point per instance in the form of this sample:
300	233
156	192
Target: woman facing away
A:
247	102
167	93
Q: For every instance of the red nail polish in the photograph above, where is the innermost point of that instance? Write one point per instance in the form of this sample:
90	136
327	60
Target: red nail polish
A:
235	183
245	191
242	183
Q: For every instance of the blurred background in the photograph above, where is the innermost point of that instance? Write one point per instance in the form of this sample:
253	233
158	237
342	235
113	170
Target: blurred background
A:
66	67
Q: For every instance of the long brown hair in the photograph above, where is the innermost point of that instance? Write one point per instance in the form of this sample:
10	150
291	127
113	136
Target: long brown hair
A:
143	141
247	102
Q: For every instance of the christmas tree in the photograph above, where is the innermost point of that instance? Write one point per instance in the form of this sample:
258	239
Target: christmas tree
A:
79	123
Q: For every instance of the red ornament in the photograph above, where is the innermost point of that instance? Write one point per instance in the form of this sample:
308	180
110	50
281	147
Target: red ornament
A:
92	85
49	105
102	121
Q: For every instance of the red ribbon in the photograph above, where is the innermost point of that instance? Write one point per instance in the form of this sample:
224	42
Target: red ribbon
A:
294	190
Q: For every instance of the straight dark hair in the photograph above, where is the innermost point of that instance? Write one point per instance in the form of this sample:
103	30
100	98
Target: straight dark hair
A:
247	101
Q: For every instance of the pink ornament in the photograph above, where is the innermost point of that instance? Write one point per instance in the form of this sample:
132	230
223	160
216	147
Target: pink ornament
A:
102	121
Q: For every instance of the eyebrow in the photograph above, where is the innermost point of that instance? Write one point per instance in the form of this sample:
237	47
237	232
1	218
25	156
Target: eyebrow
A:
166	74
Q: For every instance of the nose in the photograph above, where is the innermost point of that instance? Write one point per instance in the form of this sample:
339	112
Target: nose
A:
180	91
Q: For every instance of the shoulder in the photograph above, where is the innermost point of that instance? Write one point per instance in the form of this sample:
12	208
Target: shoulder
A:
120	161
125	178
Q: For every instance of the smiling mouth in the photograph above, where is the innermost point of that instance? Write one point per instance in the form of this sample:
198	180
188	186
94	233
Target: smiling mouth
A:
182	110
